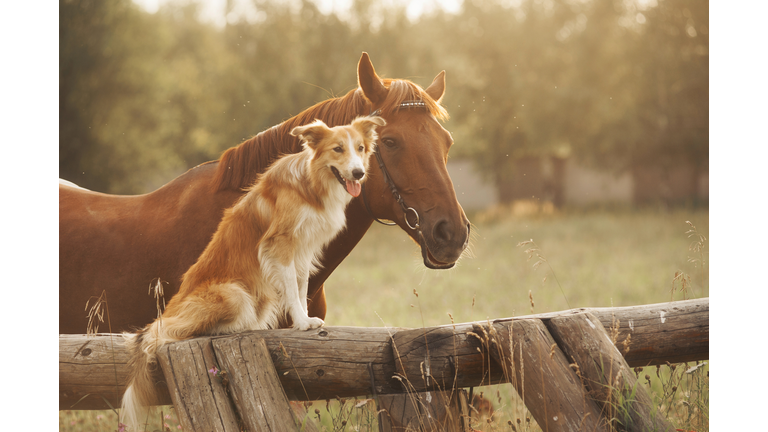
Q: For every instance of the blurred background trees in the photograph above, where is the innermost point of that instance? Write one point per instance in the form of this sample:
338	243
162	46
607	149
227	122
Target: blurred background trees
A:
616	84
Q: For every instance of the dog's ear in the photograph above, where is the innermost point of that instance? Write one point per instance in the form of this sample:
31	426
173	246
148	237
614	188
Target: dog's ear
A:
367	126
312	133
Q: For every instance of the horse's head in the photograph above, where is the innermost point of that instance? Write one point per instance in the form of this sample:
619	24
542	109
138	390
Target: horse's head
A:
411	164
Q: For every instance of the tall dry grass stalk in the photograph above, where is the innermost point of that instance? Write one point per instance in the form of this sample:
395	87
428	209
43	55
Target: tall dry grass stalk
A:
682	281
96	313
532	250
156	290
95	318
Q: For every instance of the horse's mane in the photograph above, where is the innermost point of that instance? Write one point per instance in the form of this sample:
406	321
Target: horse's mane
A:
239	166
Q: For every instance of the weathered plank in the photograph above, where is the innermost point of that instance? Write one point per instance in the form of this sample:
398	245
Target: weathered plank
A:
674	332
200	399
254	385
438	358
332	361
93	371
542	376
606	374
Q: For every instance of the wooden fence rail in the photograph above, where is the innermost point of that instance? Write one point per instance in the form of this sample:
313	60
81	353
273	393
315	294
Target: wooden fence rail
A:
341	361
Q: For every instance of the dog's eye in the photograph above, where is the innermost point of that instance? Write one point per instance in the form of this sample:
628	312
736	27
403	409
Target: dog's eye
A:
338	150
360	148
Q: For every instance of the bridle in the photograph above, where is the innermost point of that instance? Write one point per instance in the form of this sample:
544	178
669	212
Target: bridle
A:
388	178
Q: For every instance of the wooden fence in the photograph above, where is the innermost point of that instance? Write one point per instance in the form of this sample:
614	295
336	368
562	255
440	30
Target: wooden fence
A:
535	353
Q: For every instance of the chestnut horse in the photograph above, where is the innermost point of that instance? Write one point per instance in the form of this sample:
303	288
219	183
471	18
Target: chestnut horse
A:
121	244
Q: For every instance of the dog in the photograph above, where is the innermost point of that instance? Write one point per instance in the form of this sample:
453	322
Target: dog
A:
254	272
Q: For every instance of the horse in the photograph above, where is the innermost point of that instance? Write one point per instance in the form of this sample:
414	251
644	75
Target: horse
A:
114	247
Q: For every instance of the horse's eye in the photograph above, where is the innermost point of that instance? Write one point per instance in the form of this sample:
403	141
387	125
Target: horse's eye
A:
338	150
389	142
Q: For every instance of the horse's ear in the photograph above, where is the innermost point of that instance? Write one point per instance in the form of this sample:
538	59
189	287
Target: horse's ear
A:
312	133
437	88
373	88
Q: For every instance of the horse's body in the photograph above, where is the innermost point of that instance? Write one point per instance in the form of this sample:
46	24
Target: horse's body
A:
121	244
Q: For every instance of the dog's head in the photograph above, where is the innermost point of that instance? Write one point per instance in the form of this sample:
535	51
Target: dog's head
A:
343	150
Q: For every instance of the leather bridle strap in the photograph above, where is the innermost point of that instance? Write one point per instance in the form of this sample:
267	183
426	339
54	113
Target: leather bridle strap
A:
390	183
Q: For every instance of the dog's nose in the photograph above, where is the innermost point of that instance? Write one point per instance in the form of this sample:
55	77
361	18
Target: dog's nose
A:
358	174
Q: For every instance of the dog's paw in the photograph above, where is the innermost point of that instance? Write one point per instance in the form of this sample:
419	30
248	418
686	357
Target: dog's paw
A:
308	323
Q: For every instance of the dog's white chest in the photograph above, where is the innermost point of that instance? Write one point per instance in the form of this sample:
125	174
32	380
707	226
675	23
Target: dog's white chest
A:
320	227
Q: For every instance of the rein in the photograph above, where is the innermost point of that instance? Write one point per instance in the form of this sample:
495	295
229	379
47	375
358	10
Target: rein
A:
388	179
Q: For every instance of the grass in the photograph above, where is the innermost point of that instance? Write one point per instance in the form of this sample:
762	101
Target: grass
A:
593	259
601	259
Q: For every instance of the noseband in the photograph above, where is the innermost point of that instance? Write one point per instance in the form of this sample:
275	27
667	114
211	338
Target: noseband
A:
388	178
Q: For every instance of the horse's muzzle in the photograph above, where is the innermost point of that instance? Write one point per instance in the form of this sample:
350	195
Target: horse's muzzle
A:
445	246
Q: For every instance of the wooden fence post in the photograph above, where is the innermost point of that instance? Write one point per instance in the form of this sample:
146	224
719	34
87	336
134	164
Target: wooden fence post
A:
606	374
254	385
542	376
200	399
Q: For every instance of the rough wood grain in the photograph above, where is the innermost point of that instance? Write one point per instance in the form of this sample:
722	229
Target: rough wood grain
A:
332	361
606	374
438	358
542	376
201	401
673	332
254	385
93	371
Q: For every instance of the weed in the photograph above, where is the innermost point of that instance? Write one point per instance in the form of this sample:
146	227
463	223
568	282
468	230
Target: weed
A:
532	250
682	281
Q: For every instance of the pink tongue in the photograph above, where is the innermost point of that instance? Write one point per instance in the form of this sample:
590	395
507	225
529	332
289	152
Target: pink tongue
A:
353	187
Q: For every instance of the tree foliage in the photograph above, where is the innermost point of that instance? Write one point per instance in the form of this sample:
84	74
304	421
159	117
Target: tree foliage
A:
618	83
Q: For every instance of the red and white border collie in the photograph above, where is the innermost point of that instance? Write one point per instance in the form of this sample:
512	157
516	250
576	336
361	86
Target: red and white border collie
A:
254	272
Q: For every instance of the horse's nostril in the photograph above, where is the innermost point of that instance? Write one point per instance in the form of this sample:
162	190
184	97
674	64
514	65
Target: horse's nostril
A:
358	174
442	232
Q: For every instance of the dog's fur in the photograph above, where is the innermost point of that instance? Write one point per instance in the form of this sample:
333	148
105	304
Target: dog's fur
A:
254	272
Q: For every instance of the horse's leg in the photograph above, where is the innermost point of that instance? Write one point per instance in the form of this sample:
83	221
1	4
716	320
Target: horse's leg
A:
358	223
316	303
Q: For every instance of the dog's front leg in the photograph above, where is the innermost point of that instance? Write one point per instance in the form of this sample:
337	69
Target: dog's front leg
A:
296	299
303	282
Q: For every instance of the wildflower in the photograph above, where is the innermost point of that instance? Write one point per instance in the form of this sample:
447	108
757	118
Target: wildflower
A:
213	371
121	427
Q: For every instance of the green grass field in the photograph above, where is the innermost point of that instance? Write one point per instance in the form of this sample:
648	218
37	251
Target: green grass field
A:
596	259
593	259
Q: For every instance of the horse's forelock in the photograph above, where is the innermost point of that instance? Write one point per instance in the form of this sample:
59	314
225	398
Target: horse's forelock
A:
403	90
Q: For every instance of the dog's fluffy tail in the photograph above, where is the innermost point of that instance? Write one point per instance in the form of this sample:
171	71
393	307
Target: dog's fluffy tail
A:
140	394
